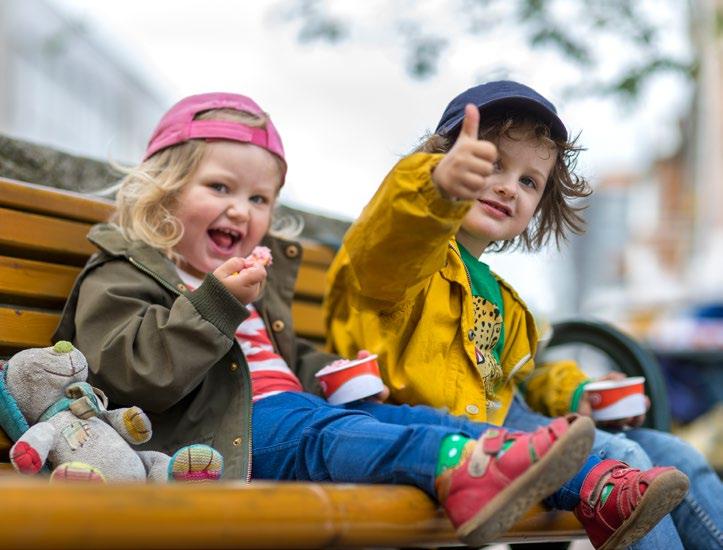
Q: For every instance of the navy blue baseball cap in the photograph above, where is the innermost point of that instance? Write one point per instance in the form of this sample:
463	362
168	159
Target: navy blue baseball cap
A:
505	94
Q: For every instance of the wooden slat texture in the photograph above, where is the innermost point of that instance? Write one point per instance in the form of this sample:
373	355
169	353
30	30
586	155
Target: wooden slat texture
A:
316	253
25	328
57	203
222	515
308	321
311	281
21	328
44	236
30	281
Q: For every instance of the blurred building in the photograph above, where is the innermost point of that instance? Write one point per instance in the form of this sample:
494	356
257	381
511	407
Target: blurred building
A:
655	238
65	85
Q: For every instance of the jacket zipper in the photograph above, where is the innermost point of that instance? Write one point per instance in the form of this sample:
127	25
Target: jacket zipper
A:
249	430
249	398
155	275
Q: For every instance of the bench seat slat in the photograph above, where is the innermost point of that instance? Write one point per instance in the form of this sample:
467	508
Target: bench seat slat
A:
229	515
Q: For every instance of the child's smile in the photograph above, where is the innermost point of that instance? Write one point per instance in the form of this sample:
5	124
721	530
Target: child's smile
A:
224	238
495	209
226	208
510	197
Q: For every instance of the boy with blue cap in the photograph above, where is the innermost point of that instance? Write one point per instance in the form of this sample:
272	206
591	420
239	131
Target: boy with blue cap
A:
407	284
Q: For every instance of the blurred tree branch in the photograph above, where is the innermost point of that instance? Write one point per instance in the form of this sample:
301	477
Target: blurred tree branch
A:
571	28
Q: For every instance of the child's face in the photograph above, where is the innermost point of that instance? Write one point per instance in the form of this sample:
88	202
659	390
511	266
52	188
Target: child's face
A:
226	208
510	198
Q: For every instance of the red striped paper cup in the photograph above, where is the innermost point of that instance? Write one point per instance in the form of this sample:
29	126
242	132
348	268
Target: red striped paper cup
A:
616	399
347	381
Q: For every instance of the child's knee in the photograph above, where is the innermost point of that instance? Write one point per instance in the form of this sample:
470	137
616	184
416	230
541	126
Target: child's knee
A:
621	448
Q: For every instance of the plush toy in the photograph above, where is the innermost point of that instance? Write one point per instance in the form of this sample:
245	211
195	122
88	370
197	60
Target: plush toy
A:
53	415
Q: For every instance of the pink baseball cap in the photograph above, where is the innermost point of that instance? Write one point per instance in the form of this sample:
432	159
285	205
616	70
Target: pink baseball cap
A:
178	124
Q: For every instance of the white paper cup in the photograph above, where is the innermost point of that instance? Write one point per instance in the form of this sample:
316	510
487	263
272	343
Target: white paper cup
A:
350	381
616	399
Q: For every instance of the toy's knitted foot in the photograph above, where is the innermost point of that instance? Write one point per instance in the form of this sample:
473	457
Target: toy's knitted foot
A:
77	471
137	425
195	463
25	458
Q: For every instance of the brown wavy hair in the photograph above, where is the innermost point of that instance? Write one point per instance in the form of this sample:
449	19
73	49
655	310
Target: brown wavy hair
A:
558	212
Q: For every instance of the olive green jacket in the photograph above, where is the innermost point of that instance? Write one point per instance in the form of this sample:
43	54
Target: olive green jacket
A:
153	343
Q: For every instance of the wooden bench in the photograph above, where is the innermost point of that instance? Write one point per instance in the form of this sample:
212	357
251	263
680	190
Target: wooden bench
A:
42	248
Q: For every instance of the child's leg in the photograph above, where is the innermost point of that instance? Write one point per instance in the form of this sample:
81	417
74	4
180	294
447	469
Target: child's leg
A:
299	436
699	517
420	414
662	535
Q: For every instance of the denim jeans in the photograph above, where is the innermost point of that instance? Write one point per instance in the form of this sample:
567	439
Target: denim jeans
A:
697	521
298	436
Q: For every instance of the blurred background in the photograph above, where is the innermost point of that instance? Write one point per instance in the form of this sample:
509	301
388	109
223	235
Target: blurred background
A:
353	86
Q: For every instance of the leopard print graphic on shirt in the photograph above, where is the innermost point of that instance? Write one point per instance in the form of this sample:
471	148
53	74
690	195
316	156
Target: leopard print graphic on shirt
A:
487	329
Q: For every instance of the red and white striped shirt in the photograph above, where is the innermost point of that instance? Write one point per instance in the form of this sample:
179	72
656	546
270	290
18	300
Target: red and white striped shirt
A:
269	372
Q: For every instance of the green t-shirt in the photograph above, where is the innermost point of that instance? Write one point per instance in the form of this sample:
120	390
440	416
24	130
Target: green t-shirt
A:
488	315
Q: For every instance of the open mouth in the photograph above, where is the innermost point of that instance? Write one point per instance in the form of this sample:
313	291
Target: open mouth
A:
497	206
224	238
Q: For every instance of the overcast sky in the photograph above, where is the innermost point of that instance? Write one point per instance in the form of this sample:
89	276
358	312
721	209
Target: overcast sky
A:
347	113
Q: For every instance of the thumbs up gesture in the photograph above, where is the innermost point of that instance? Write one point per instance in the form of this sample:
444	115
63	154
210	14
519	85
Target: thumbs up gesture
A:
461	174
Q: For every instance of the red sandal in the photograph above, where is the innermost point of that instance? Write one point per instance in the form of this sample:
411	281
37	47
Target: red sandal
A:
618	504
508	472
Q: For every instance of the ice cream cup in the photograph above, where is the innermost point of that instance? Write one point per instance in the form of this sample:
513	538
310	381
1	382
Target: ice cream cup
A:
346	381
616	399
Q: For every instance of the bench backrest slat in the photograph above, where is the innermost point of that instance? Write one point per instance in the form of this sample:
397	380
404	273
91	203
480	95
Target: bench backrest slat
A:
35	283
28	197
44	237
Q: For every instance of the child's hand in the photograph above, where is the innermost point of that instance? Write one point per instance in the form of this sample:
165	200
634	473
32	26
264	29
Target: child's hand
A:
383	395
243	277
462	173
585	408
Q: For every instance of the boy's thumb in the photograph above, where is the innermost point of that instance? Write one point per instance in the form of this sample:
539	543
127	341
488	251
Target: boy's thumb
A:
470	123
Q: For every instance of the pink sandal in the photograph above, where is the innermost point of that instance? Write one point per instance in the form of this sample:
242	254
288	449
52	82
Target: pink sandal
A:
508	472
619	505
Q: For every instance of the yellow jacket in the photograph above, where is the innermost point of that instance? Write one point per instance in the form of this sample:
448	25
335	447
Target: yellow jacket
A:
398	287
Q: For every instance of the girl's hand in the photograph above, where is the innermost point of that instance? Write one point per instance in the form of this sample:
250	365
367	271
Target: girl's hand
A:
242	277
585	408
462	173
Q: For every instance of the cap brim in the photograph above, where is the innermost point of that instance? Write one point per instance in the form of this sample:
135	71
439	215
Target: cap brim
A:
557	128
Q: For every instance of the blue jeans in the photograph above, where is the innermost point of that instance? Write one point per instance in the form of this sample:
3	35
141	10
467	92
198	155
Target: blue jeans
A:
298	436
698	521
